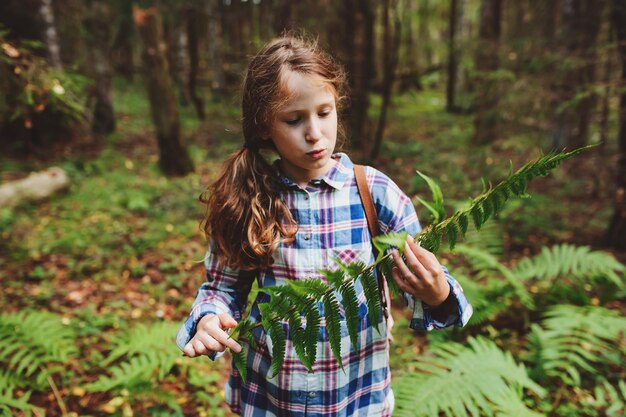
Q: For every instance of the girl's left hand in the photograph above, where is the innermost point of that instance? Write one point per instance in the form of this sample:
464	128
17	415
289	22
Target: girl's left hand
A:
421	275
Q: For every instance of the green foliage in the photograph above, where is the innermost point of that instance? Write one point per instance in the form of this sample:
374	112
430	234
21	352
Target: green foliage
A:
477	379
39	96
436	208
578	263
149	356
573	339
35	345
609	399
483	207
8	401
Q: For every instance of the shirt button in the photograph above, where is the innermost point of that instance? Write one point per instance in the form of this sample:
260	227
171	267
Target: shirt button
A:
312	394
306	196
307	236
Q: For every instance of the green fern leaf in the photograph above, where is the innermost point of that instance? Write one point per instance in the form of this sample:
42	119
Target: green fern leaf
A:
333	325
436	208
390	240
33	343
279	342
452	233
370	289
241	361
461	381
386	267
313	323
579	264
311	287
298	337
570	340
463	223
477	216
484	206
335	278
8	400
351	308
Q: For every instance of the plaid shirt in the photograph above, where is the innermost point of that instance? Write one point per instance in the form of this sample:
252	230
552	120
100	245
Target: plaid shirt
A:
331	222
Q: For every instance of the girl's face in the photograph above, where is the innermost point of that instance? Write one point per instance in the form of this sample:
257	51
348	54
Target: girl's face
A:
304	129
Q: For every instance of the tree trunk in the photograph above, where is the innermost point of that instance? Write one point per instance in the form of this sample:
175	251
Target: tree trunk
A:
99	21
51	38
486	105
391	44
452	56
173	157
616	235
214	46
192	42
424	34
123	56
358	57
581	24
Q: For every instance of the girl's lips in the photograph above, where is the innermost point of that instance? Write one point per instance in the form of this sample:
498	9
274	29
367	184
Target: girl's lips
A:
317	154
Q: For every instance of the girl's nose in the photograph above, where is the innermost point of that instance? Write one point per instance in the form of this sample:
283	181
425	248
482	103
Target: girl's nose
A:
313	132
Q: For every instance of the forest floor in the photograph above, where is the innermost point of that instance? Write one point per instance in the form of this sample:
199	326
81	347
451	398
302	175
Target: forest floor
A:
122	247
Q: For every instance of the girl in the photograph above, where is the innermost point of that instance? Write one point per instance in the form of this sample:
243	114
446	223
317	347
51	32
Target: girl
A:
285	221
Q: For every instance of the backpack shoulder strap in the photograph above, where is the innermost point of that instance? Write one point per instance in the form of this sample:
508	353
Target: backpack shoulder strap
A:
372	224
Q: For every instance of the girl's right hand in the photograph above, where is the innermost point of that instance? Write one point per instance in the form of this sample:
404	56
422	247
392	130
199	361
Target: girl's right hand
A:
211	336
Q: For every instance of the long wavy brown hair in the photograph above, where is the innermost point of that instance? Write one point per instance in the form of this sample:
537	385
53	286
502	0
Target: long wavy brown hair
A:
245	215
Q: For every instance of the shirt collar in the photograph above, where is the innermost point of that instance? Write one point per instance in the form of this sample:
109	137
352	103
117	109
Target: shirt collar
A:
336	177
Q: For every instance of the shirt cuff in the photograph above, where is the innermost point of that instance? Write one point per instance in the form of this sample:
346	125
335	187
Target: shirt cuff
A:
188	329
454	311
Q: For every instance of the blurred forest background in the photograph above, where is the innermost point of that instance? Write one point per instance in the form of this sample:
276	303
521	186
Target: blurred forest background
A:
138	103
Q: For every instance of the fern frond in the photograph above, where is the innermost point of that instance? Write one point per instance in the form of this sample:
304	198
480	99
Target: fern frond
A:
149	356
313	324
333	327
140	339
461	381
137	372
299	339
279	343
436	208
572	339
486	306
490	202
578	263
372	298
485	264
351	308
8	401
608	398
510	404
241	363
32	343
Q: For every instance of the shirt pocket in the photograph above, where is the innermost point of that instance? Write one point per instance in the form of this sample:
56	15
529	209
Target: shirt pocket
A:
349	255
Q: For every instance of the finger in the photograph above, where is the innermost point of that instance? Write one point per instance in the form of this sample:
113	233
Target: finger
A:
227	321
426	258
403	270
414	262
222	337
189	350
395	273
199	347
211	343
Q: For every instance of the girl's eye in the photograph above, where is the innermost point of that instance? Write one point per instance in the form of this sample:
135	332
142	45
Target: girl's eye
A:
324	113
292	122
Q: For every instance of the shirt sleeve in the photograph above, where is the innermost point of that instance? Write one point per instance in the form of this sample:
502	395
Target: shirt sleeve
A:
224	291
397	214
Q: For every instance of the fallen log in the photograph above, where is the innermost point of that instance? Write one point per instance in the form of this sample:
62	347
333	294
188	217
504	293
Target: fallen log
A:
37	186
